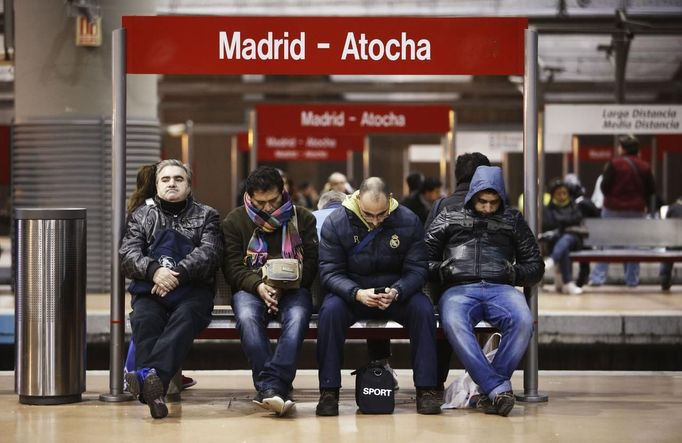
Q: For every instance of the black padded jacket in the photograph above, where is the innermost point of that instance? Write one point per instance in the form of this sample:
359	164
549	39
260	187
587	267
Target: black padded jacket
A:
200	223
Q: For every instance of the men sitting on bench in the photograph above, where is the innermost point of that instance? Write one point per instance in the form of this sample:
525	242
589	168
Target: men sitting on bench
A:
172	250
268	227
479	253
373	265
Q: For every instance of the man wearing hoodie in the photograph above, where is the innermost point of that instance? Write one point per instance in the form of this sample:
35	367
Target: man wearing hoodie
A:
373	266
479	253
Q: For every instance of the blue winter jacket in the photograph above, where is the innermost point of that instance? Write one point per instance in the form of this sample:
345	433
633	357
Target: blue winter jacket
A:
395	258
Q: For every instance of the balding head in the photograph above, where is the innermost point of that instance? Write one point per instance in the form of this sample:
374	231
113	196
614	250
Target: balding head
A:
373	188
374	201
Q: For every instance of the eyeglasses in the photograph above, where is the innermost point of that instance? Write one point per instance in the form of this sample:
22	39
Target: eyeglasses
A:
380	216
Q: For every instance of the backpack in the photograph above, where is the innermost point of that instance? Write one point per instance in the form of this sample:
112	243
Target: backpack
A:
374	389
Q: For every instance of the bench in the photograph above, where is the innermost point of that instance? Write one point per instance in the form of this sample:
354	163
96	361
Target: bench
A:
620	240
223	326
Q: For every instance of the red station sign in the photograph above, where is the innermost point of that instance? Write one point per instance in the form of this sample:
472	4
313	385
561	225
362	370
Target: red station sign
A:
319	119
307	147
324	45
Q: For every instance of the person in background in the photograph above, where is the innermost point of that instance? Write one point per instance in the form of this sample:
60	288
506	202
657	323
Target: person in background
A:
414	182
309	195
479	253
562	216
172	293
465	166
628	186
337	182
421	201
373	265
588	210
666	272
269	226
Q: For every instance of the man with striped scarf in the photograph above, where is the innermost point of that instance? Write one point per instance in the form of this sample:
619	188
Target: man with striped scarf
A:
269	226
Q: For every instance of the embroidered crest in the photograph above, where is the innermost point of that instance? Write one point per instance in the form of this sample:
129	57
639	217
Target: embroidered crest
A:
356	239
395	241
167	262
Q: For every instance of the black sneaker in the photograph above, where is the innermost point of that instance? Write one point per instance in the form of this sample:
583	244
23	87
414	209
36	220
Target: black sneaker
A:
152	391
482	403
329	403
503	404
134	385
428	402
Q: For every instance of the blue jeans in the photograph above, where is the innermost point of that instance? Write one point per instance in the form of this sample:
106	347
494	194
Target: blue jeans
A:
462	307
415	313
601	269
560	252
273	370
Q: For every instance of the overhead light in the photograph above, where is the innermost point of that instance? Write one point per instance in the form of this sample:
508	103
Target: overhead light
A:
176	130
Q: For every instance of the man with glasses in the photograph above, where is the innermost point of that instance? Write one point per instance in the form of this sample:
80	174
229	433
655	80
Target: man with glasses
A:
269	226
373	266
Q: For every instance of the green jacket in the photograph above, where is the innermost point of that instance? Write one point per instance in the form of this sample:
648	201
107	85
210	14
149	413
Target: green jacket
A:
238	228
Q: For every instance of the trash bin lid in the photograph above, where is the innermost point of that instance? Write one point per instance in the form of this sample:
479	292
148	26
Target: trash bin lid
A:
49	213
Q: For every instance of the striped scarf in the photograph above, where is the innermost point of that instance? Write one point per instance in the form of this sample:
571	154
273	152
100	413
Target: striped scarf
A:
257	249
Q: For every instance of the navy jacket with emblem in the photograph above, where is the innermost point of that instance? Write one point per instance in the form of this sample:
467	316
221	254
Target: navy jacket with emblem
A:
395	258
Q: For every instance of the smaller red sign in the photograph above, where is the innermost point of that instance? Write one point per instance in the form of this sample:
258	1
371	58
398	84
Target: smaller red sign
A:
306	148
317	119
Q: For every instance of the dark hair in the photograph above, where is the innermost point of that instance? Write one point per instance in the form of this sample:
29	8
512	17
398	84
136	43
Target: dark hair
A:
629	143
466	165
414	181
556	184
263	179
146	186
429	184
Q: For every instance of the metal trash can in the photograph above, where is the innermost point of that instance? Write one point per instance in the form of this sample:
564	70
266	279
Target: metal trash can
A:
50	275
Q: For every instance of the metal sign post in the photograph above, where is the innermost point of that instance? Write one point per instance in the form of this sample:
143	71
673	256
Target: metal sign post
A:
530	209
118	200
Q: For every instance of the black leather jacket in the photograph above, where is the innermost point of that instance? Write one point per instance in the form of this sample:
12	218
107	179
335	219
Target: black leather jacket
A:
198	222
464	247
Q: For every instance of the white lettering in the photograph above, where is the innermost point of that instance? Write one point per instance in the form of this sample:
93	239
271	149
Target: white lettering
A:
389	120
268	48
225	48
280	142
376	49
326	120
377	391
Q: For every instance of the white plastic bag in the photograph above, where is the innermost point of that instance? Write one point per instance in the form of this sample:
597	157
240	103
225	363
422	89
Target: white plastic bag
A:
462	388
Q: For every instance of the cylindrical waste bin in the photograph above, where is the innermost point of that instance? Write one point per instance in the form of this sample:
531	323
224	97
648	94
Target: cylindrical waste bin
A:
50	272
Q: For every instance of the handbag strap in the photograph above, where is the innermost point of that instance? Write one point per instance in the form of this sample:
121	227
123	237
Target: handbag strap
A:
636	171
365	241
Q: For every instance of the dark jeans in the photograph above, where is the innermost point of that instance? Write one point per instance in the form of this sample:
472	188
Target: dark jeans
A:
273	370
163	336
336	315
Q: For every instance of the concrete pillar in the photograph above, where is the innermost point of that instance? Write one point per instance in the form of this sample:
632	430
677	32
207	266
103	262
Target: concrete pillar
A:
62	127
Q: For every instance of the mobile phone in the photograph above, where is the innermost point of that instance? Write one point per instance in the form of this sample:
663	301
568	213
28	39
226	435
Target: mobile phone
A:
380	290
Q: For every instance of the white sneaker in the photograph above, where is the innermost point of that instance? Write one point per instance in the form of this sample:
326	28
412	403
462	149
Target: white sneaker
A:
549	264
571	289
558	280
